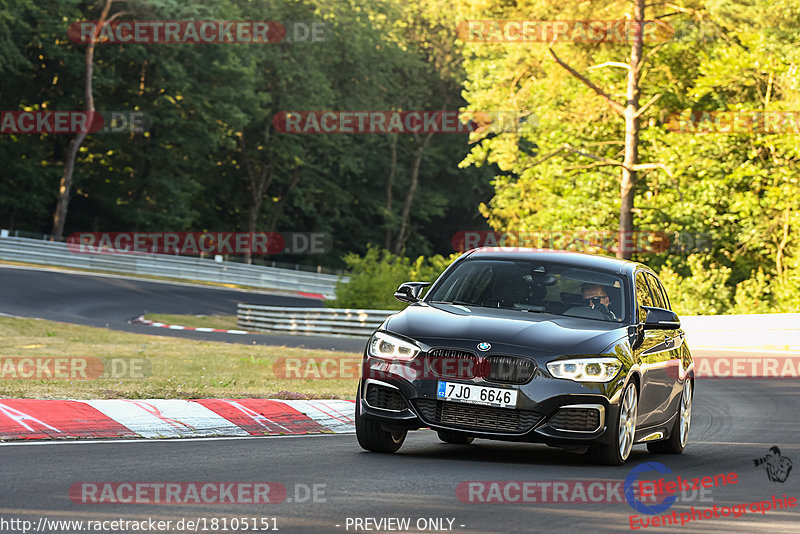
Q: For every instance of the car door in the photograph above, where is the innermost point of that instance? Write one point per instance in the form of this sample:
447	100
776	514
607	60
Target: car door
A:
673	340
654	355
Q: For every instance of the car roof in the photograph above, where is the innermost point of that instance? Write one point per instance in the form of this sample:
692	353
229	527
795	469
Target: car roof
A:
576	259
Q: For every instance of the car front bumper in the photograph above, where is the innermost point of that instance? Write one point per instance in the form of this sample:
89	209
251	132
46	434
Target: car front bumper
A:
556	412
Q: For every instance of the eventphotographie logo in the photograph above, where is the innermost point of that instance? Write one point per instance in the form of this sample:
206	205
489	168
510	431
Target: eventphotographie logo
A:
778	467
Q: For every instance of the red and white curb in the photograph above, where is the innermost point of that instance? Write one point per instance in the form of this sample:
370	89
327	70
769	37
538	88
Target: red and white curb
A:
142	320
22	419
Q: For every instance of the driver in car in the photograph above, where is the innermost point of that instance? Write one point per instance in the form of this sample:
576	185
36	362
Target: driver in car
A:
595	295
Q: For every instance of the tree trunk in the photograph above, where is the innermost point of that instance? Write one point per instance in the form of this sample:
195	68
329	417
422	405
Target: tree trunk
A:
782	245
405	216
257	184
389	195
253	211
65	186
628	184
276	213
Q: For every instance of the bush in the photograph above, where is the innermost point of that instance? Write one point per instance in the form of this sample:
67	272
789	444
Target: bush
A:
754	295
765	293
703	291
375	276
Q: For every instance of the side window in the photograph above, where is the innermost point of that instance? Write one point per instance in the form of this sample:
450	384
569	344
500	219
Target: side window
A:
643	297
664	296
655	291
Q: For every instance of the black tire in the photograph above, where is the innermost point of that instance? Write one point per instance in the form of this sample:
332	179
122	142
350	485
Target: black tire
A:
454	437
675	443
372	437
611	454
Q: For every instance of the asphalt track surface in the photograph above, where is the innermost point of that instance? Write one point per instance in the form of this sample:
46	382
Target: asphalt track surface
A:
110	301
734	422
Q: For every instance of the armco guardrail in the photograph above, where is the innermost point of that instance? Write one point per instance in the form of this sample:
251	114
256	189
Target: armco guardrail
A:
180	267
766	331
311	321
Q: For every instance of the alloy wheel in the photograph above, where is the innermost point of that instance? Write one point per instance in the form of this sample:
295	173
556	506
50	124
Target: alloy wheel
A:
686	411
627	421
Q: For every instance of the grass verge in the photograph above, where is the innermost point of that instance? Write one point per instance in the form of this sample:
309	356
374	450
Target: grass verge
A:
163	367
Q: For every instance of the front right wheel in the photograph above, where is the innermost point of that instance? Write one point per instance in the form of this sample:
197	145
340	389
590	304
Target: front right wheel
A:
372	437
617	452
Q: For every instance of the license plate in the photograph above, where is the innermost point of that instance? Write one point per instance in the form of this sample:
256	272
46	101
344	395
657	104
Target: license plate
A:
470	393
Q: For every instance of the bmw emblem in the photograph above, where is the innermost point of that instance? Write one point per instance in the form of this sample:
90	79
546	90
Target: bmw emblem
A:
484	346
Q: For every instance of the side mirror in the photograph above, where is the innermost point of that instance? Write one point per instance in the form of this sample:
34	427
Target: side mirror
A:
659	318
410	291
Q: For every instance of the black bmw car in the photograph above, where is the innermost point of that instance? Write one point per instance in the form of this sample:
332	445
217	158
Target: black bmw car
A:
571	350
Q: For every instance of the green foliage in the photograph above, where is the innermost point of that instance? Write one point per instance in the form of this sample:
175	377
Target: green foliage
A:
741	190
754	295
377	274
211	107
763	293
700	291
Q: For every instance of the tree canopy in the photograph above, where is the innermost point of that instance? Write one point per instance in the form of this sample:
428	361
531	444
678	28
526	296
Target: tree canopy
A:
213	159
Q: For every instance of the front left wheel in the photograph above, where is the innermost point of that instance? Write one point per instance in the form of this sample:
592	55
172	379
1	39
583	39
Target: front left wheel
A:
372	437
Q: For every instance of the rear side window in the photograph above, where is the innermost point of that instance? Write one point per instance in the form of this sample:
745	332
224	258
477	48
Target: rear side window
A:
656	285
643	297
655	291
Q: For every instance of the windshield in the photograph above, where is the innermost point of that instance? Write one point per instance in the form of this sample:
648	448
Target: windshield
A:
533	286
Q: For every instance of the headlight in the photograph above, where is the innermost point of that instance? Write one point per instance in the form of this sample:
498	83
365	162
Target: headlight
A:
389	347
586	369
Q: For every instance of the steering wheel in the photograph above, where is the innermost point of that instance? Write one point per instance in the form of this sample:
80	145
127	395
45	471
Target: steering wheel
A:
605	311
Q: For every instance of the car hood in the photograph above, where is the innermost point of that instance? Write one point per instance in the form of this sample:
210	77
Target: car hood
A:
462	326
